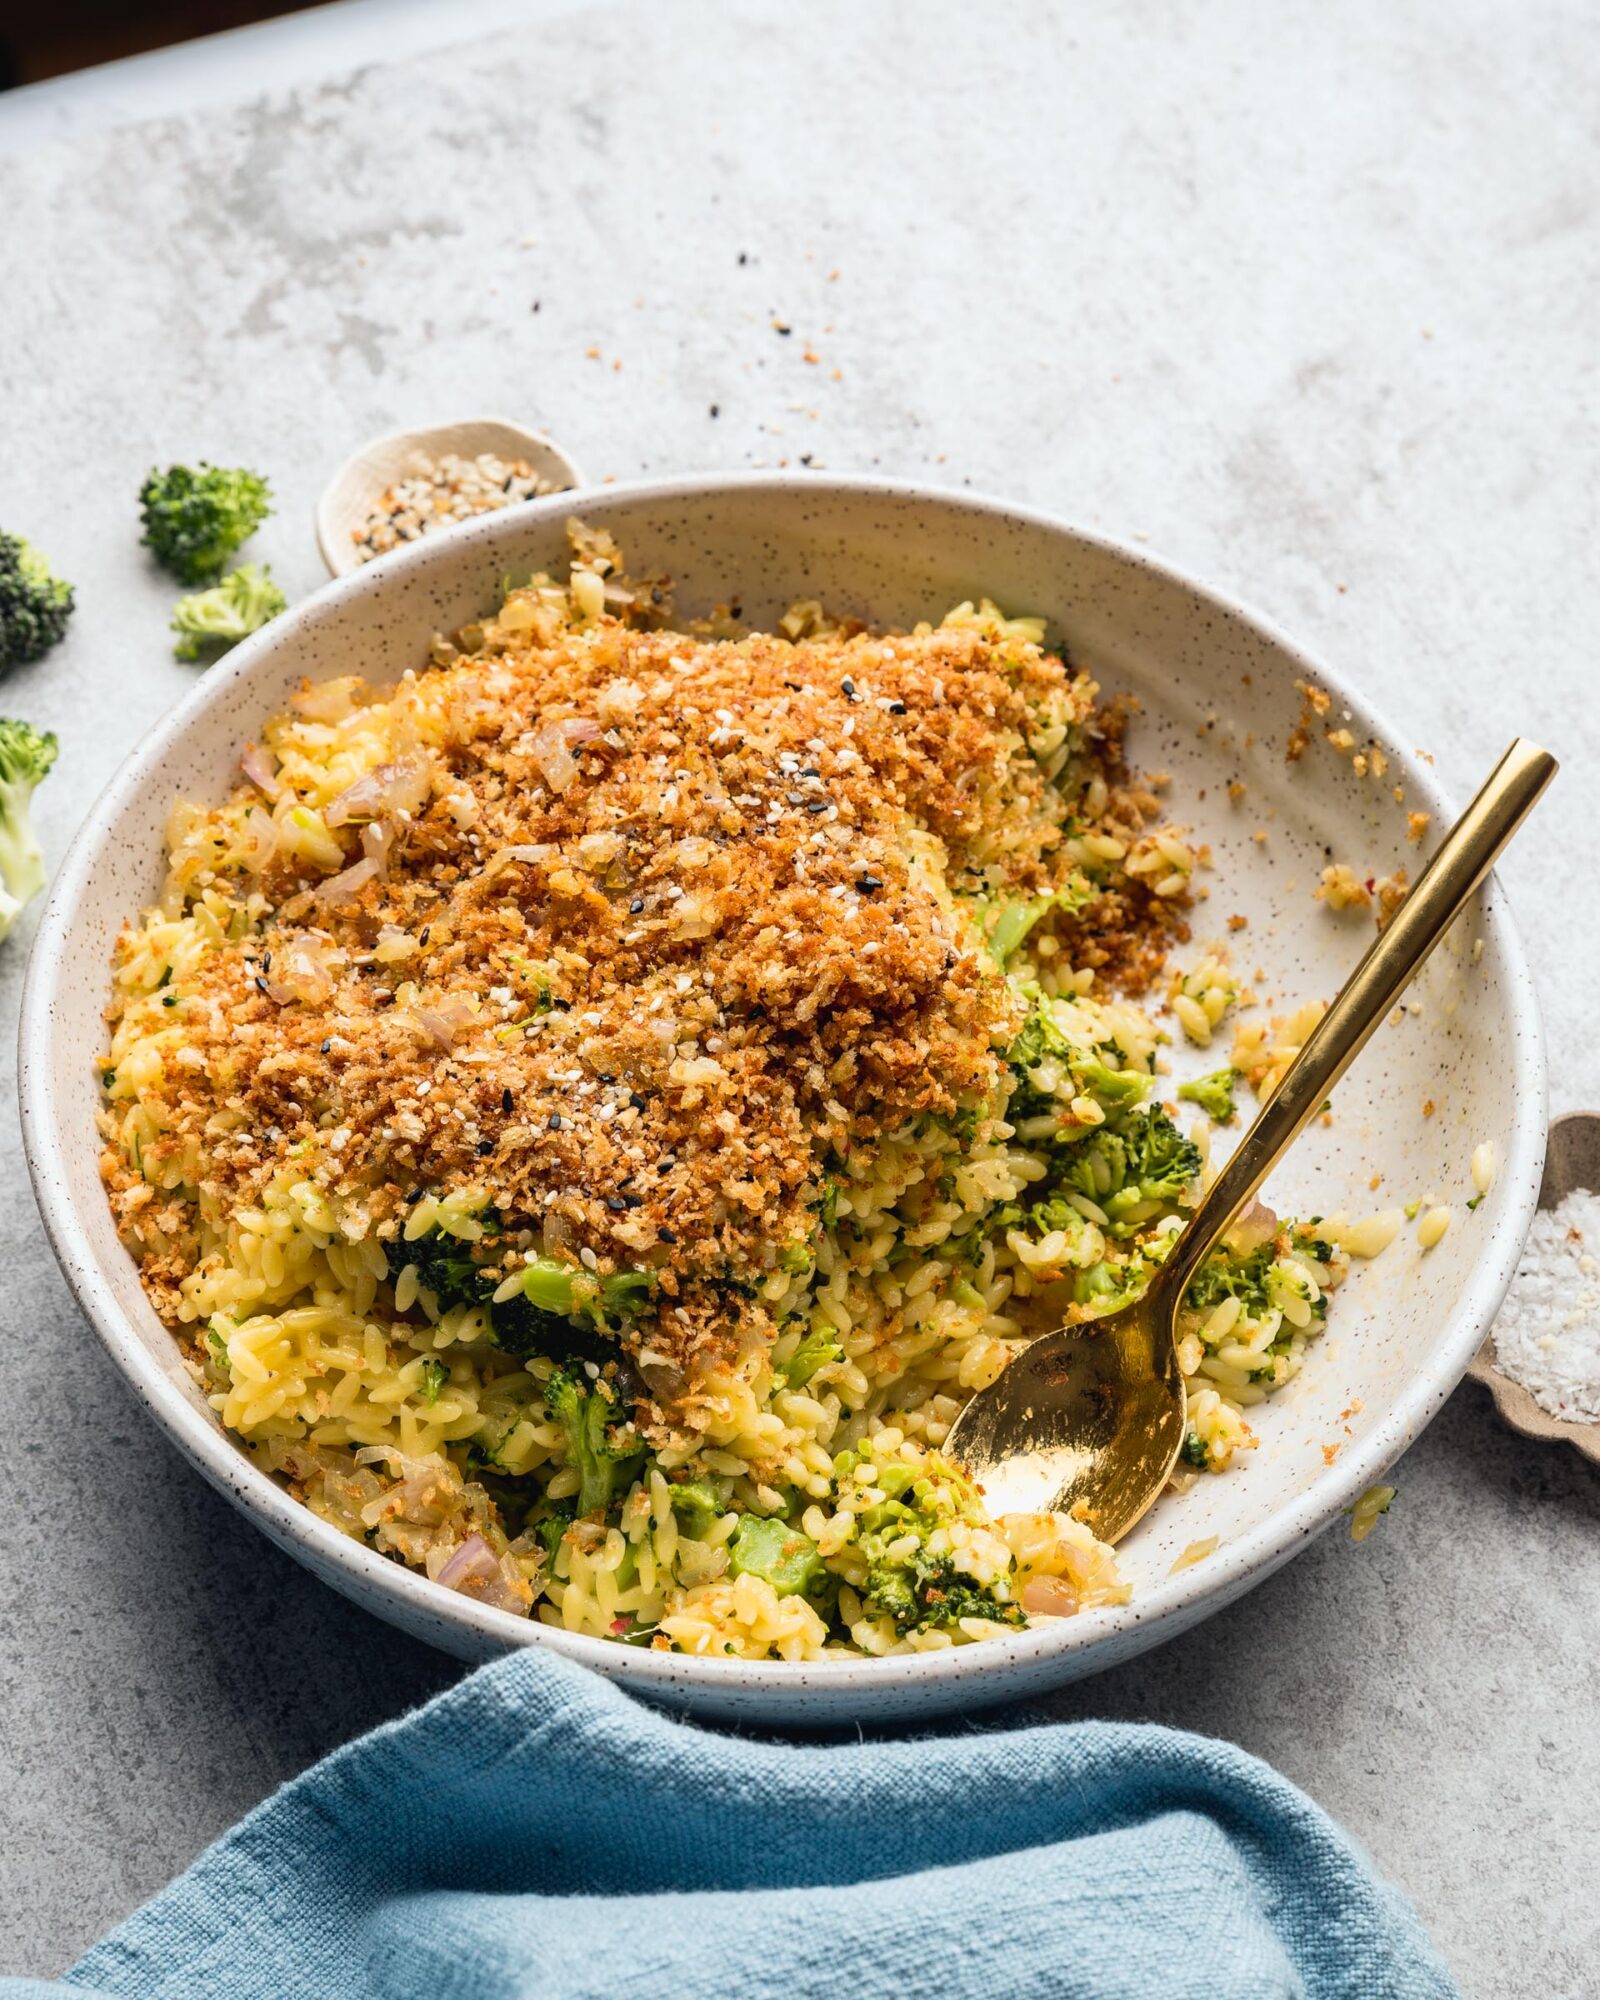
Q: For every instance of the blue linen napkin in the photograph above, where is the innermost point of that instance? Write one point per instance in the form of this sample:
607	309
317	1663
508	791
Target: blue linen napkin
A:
537	1832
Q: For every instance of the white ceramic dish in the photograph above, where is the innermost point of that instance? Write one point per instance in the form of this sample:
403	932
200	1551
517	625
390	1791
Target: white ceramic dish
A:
349	495
1218	687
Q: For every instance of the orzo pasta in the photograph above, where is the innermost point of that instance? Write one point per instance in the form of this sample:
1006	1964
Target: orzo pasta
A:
593	1111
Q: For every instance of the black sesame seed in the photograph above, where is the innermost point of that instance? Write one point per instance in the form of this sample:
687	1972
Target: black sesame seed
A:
635	1100
667	1235
811	771
426	932
847	688
615	1203
897	708
325	1048
506	1102
633	1201
261	983
553	1124
605	1076
485	1146
869	885
636	906
816	805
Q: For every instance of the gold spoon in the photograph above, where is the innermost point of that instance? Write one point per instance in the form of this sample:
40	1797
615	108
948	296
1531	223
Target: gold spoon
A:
1090	1419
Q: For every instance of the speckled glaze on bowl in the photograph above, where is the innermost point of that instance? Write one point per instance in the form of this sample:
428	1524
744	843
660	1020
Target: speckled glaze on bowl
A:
1219	699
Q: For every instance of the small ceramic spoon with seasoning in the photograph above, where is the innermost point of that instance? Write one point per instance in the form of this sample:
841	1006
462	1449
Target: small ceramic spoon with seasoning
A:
355	490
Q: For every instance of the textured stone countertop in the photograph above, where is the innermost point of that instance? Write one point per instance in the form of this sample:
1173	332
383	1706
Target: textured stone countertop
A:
1314	314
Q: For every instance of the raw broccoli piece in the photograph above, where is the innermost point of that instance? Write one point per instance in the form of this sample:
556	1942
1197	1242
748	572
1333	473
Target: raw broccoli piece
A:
34	605
194	518
210	621
1225	1275
26	755
604	1447
1196	1451
785	1557
1213	1094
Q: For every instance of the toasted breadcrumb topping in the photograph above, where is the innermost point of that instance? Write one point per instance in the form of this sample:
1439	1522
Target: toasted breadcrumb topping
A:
635	931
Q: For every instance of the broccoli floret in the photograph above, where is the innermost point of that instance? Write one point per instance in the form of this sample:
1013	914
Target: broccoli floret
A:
1225	1275
1161	1162
604	1447
572	1293
1213	1094
1041	1045
814	1352
34	605
194	518
795	1259
787	1559
210	621
26	755
1017	919
1141	1158
444	1267
1195	1451
922	1590
551	1531
560	1313
697	1507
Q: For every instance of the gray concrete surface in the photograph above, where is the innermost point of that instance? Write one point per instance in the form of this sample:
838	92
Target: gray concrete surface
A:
1303	295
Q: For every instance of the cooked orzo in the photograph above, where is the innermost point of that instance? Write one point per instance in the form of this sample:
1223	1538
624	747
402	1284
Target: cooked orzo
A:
593	1111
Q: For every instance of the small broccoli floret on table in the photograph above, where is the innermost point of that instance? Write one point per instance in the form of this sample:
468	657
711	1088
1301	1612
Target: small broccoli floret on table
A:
26	755
195	517
34	605
210	621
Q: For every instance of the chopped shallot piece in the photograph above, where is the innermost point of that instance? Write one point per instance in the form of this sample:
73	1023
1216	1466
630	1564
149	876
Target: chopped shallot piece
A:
383	792
555	761
342	887
1049	1597
259	771
1256	1226
476	1571
442	1024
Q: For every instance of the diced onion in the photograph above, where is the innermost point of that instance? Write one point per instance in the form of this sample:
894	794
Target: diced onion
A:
342	887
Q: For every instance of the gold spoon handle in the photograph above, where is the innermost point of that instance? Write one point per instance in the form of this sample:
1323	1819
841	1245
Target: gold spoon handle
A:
1465	856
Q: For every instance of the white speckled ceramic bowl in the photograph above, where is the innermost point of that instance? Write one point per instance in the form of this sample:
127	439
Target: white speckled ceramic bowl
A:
1219	699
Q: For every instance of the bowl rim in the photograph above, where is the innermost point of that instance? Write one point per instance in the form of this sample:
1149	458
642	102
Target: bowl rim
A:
1173	1603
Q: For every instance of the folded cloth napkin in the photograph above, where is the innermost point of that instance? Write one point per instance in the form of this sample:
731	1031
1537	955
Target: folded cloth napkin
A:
537	1832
